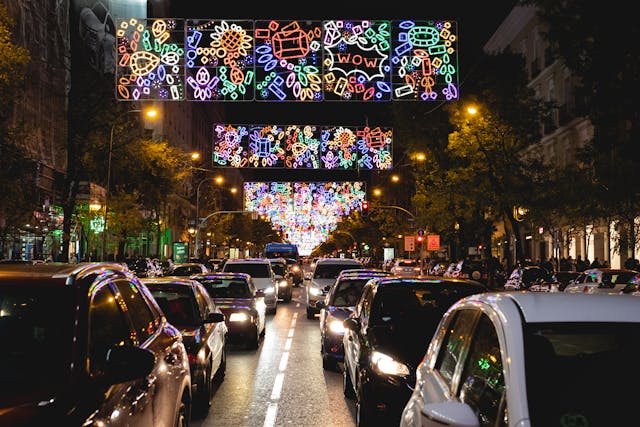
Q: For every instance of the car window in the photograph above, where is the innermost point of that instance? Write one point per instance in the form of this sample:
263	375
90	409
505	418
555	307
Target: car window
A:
108	327
205	304
347	292
255	270
454	343
227	288
178	305
279	268
331	271
140	314
482	381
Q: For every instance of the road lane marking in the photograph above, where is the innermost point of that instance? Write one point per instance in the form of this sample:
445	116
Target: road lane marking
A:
283	361
287	345
277	387
272	411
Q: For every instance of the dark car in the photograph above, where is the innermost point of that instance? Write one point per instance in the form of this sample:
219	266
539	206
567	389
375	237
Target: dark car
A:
188	306
386	337
523	278
82	342
188	269
242	304
143	267
284	280
337	306
565	277
297	273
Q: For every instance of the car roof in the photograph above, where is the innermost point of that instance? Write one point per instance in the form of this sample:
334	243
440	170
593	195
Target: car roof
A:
168	280
222	275
248	260
56	273
562	307
393	280
338	261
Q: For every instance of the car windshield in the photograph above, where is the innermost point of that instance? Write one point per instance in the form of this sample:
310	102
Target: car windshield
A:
185	270
279	268
566	362
260	270
226	288
408	263
37	337
178	304
617	278
331	271
348	291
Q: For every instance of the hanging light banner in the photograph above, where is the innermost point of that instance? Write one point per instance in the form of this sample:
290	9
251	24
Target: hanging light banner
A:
307	212
302	147
204	60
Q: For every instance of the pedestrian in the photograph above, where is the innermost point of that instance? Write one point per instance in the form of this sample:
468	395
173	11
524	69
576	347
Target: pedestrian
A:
596	263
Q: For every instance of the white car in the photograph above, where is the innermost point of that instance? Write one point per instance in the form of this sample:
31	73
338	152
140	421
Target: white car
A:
323	276
522	359
406	267
262	275
601	280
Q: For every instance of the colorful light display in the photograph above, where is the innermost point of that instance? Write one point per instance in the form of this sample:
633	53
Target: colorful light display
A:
307	212
303	147
150	59
424	60
288	60
293	60
220	60
357	60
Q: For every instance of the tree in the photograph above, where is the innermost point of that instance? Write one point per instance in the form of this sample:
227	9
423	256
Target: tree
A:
16	182
606	68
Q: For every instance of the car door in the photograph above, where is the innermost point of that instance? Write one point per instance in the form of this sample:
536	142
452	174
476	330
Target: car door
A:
164	386
354	340
215	332
110	326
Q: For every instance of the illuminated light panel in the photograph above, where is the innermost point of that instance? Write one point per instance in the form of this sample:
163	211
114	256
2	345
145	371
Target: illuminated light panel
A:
150	59
288	60
424	59
356	60
220	60
307	212
302	147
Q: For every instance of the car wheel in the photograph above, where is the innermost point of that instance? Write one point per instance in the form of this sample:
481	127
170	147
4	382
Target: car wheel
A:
365	415
222	369
347	385
202	401
310	314
182	417
253	340
328	363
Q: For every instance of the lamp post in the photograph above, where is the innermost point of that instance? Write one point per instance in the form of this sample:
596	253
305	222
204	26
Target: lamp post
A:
218	180
151	113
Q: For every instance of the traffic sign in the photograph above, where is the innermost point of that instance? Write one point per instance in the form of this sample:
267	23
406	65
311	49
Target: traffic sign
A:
433	242
409	243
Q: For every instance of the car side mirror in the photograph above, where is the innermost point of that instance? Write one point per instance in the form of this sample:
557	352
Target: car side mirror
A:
449	413
320	305
127	363
214	318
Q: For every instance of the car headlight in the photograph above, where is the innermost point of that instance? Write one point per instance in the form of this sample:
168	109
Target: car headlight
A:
387	365
270	290
295	268
239	317
336	326
315	291
282	283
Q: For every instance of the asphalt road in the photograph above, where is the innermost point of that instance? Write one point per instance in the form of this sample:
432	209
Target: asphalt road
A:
282	383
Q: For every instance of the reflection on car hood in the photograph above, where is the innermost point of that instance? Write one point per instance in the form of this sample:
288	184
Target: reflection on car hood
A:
226	303
340	312
34	408
406	344
321	283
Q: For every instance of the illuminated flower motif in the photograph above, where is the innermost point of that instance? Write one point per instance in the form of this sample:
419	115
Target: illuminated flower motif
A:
330	161
230	40
343	139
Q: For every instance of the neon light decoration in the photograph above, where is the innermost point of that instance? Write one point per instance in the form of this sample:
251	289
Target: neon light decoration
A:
424	60
150	59
292	60
219	61
288	60
356	60
306	211
302	147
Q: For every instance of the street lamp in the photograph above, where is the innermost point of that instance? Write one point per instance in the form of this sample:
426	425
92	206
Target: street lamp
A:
150	113
218	180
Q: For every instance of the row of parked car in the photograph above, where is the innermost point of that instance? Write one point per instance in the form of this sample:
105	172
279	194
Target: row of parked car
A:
431	350
120	349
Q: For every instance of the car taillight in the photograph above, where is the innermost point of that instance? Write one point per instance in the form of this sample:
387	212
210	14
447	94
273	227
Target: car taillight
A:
193	359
